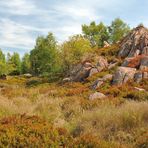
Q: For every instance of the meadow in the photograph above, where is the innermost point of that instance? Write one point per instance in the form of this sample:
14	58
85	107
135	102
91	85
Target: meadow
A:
61	114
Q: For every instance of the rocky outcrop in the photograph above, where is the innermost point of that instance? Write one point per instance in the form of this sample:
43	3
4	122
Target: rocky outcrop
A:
138	62
144	63
81	72
135	43
140	75
134	48
100	81
86	69
123	74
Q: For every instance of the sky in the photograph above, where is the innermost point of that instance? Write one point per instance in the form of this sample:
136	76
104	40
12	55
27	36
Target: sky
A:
22	21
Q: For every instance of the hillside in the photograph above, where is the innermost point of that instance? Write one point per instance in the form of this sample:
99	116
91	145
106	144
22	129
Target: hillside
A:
102	104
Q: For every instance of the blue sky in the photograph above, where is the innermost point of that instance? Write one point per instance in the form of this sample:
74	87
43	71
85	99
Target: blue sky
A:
21	21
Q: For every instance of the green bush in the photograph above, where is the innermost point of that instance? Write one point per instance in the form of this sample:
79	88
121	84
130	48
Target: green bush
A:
33	82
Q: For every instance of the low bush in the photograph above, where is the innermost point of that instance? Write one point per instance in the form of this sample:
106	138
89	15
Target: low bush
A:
33	82
142	141
25	131
91	141
137	95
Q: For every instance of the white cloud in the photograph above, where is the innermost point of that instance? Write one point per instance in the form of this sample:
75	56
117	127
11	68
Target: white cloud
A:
14	35
62	18
19	7
76	12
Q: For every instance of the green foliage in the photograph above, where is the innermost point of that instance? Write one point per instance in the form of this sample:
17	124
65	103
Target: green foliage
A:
15	62
73	51
2	57
44	56
96	34
3	66
118	30
26	65
33	82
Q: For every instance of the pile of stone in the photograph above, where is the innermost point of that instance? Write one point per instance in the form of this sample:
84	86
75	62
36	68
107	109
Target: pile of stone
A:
86	69
134	50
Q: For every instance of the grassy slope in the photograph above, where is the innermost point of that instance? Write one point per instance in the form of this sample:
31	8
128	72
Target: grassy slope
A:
120	120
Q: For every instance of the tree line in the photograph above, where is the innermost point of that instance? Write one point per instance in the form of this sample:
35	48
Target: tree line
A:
50	58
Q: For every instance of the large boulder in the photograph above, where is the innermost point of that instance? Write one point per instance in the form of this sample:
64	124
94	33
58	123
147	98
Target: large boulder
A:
100	81
135	43
123	74
140	75
144	63
81	72
86	69
139	62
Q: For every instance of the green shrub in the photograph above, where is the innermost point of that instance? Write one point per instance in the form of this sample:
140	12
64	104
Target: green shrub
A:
33	82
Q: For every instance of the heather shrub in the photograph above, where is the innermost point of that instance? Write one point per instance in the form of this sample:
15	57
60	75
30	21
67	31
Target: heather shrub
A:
91	141
26	131
142	141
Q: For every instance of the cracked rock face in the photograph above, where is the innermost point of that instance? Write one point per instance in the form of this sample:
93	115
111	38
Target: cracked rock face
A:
134	48
123	74
82	71
135	43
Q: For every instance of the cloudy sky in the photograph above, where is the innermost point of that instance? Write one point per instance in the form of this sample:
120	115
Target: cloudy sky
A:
21	21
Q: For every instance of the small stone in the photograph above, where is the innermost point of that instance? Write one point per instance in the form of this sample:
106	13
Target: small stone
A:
93	71
96	95
139	89
108	77
112	65
66	80
97	84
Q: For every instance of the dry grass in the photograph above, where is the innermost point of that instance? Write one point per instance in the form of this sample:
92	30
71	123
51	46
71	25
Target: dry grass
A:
113	119
123	124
